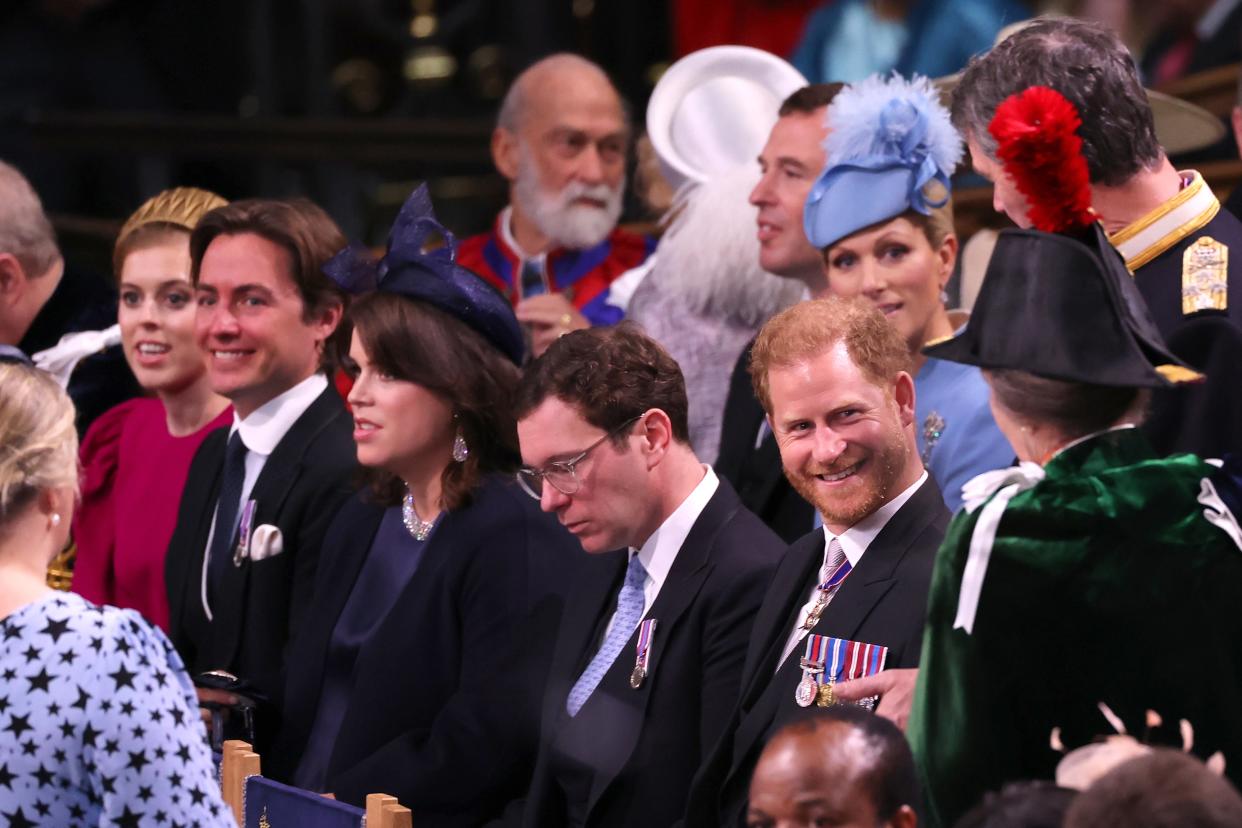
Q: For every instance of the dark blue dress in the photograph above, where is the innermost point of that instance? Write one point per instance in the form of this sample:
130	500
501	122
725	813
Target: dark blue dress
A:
419	671
390	564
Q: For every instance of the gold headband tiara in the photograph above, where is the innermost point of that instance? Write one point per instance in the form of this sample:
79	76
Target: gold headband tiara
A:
180	206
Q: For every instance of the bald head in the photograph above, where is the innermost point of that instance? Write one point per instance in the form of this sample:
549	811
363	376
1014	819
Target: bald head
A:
25	231
563	78
561	140
843	762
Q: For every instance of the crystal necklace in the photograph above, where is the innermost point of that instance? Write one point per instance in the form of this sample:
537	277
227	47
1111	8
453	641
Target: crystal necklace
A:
418	528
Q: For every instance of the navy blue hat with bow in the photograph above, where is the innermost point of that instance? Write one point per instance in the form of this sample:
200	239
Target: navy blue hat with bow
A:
433	277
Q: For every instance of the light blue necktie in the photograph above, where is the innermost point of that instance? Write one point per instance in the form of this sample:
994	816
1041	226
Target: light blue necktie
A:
629	613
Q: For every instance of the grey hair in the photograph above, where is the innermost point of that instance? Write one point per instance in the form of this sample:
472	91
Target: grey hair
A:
1091	67
25	231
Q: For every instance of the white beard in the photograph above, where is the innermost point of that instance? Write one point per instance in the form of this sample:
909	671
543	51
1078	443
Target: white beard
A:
567	224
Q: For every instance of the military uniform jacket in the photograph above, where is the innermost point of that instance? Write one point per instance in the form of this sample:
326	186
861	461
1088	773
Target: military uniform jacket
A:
1186	257
1107	582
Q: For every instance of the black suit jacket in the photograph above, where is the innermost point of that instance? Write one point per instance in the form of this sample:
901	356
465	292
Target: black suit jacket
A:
644	745
259	603
756	473
443	713
884	601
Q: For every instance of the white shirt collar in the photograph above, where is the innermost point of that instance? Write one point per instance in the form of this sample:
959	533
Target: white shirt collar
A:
266	425
856	539
506	235
660	550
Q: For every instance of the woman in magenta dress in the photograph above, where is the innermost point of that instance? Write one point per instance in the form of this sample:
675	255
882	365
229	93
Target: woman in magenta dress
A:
136	456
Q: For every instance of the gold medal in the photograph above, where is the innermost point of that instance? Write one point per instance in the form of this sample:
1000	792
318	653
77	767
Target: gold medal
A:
636	677
825	697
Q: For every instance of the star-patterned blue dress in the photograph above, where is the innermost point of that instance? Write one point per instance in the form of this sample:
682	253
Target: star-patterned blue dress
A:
98	722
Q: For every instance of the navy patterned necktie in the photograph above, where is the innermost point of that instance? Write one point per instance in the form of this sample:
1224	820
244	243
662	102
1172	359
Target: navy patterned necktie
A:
227	507
533	283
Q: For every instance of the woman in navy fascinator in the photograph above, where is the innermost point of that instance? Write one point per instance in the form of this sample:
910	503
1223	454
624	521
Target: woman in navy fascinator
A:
882	214
435	578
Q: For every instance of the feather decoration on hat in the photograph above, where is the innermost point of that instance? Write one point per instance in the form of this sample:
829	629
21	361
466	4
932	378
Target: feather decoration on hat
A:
1038	144
894	121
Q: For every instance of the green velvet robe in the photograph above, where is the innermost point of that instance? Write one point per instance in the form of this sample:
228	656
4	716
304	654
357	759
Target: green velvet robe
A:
1106	583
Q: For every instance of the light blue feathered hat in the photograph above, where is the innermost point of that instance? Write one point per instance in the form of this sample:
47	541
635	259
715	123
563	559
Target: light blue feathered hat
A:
888	138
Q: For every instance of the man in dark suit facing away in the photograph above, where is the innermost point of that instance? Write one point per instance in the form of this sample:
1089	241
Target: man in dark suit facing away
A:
241	562
646	663
850	599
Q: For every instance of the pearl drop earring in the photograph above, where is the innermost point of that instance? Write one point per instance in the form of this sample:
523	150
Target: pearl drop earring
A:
56	518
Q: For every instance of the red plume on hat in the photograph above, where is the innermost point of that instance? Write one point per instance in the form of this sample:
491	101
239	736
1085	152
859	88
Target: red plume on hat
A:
1038	143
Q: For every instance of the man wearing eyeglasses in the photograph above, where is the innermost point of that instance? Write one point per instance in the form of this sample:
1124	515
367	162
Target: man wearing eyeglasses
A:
646	664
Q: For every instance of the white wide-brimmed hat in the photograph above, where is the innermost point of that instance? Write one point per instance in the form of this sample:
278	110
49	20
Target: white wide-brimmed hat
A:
712	110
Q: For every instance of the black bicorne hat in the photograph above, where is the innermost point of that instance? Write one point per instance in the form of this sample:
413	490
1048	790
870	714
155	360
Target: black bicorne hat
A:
1064	308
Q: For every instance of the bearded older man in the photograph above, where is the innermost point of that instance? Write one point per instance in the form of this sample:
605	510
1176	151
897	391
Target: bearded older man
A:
561	140
849	600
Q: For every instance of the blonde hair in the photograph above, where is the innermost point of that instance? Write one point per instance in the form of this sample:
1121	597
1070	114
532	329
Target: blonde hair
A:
166	216
810	328
38	442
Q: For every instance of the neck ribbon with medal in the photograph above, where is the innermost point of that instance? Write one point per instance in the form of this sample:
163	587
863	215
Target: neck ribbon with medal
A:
827	660
646	635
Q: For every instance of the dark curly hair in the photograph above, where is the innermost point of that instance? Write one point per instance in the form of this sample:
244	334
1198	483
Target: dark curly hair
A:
420	343
1090	66
611	375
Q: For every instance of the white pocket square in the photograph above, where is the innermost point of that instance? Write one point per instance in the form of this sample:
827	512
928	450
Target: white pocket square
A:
266	542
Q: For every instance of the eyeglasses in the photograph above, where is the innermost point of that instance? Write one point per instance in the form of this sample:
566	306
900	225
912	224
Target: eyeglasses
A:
562	474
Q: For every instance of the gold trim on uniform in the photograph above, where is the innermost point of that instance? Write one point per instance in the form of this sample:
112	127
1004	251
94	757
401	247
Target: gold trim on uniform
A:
1205	276
1189	211
1177	375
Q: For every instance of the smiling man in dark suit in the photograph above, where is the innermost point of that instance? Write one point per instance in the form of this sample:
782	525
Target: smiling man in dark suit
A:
241	562
646	664
847	601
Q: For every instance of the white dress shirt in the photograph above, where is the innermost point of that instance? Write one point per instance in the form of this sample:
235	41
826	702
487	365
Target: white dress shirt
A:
261	432
854	542
660	550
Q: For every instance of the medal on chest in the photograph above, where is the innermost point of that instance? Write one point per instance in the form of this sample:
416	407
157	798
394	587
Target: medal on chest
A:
646	635
827	661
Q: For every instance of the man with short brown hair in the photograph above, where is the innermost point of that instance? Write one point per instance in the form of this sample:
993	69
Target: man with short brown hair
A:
648	656
847	601
789	163
259	495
